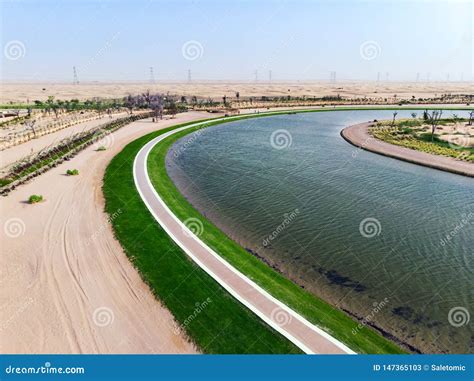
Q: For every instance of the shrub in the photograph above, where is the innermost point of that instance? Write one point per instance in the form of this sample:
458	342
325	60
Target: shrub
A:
101	148
34	198
72	172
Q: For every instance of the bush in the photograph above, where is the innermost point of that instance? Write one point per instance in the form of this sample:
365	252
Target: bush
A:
34	198
72	172
101	148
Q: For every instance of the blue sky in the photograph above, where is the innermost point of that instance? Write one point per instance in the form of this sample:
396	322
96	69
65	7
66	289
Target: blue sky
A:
296	40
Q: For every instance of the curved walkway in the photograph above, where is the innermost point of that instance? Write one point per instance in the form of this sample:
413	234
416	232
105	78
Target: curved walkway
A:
359	136
280	317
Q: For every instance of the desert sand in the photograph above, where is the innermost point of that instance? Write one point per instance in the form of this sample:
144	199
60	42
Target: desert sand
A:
23	92
66	284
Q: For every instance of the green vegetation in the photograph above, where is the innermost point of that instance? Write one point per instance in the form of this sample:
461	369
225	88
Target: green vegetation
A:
415	134
5	181
72	172
65	149
34	198
224	325
101	148
320	313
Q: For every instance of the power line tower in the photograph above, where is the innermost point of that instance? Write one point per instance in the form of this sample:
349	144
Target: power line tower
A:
269	75
256	75
333	77
428	76
189	75
152	75
75	80
387	76
417	77
378	77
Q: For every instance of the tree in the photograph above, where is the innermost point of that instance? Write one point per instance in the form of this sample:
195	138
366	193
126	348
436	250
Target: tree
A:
30	124
156	104
394	116
413	115
147	98
129	103
434	119
172	108
471	118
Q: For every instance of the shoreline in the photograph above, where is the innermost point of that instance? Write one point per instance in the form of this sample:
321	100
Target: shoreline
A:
258	270
358	136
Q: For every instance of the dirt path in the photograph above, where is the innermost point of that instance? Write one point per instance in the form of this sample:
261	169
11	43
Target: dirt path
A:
359	136
15	153
66	285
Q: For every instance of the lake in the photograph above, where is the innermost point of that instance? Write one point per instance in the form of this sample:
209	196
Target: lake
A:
386	241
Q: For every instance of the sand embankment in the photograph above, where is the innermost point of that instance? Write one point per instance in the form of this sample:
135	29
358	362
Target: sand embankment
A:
359	136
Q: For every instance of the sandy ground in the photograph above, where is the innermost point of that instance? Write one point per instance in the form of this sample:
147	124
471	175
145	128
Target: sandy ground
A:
66	284
359	136
15	153
23	92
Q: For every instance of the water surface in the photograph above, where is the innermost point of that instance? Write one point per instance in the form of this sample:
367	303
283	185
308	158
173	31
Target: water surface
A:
355	228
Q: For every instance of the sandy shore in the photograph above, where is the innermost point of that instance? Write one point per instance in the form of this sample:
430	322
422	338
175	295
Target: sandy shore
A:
359	136
66	284
23	92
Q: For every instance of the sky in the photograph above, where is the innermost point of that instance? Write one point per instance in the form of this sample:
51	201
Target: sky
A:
236	40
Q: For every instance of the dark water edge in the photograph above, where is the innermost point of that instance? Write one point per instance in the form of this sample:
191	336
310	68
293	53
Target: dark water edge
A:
334	279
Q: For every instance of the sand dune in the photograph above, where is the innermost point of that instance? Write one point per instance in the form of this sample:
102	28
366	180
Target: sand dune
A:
22	92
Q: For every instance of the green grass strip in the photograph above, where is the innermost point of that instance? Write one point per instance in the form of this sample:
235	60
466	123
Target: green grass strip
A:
215	321
224	325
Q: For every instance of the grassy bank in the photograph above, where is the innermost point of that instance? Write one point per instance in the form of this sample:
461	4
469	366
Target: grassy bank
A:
224	325
415	134
212	318
332	320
